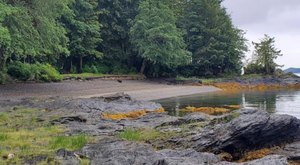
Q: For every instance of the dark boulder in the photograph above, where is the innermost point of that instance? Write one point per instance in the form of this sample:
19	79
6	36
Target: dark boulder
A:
251	130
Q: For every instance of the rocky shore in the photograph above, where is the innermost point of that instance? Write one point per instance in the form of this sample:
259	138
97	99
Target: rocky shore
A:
194	139
258	83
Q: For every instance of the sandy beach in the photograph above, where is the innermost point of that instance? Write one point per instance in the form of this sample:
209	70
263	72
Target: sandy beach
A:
138	89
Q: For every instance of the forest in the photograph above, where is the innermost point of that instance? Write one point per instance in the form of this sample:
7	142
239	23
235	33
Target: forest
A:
40	39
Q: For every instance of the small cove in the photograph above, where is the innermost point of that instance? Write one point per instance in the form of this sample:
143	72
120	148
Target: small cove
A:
278	101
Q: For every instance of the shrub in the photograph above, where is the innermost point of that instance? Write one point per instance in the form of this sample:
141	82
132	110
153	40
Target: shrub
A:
49	73
103	69
254	69
38	72
98	69
3	77
20	71
45	72
122	69
90	69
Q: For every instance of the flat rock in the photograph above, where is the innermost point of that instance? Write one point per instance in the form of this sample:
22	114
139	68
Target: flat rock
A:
187	119
117	152
186	157
268	160
291	151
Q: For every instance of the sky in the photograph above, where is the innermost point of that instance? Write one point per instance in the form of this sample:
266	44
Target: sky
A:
276	18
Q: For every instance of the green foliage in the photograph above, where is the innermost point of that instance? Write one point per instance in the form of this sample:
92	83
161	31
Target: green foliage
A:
45	72
83	30
156	37
180	78
90	69
117	18
217	46
34	29
68	142
103	69
38	72
254	68
130	134
5	38
265	53
3	137
98	69
22	135
4	77
20	71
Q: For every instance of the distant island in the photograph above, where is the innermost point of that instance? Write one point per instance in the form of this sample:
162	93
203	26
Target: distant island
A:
293	70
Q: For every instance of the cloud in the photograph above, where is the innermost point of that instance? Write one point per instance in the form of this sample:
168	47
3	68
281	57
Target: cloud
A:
277	18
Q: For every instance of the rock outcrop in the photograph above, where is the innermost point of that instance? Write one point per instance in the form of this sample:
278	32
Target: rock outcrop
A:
117	152
251	130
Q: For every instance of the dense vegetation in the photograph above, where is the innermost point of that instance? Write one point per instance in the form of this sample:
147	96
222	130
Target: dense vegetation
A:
154	37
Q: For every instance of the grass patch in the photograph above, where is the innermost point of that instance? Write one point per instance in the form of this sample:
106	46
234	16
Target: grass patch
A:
85	162
84	75
3	117
180	78
143	135
25	137
131	134
3	137
69	143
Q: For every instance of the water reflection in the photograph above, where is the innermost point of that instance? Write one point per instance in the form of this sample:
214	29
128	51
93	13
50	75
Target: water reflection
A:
283	102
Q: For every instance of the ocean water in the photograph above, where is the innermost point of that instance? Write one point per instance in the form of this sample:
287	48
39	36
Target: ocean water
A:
279	102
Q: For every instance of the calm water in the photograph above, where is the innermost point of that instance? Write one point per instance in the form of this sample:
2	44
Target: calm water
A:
280	102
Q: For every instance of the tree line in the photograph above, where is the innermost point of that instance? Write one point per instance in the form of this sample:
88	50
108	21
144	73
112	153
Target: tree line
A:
154	37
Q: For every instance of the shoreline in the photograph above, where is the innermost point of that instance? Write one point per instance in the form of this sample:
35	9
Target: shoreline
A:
118	123
138	89
162	93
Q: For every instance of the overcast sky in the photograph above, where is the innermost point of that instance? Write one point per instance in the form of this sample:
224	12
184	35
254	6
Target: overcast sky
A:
277	18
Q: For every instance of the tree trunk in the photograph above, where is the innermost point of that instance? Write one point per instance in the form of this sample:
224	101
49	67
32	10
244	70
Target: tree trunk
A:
71	65
143	66
80	64
2	60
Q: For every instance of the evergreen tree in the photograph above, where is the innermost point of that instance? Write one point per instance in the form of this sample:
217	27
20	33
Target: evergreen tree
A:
117	18
83	31
156	37
217	46
265	53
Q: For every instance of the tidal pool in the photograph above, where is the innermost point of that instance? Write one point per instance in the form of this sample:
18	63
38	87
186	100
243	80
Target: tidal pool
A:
279	101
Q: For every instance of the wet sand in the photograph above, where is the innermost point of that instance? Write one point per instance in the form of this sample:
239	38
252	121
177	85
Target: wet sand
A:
138	89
